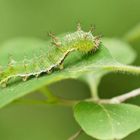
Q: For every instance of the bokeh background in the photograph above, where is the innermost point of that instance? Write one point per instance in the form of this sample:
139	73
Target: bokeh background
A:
34	18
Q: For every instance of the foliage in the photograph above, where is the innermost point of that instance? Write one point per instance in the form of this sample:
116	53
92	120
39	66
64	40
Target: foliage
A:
99	120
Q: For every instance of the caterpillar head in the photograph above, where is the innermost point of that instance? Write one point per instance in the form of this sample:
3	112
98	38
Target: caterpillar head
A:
83	41
86	42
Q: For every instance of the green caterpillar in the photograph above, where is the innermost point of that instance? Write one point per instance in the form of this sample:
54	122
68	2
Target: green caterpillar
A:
59	48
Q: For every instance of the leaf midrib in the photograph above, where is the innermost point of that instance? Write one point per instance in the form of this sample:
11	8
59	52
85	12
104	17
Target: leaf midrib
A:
109	118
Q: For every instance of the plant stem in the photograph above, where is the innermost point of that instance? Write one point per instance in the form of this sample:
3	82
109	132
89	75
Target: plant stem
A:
122	98
93	88
66	102
76	135
52	99
29	101
127	96
124	68
93	85
48	94
63	102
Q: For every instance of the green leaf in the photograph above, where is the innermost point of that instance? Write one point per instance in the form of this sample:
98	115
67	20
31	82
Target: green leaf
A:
133	35
75	66
108	121
120	51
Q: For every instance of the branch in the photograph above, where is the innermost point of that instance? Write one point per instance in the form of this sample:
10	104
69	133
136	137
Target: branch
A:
93	85
52	99
60	101
123	68
127	96
122	98
75	136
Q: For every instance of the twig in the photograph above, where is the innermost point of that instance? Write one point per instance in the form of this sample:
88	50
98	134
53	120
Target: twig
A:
93	85
52	99
122	98
127	96
76	135
60	101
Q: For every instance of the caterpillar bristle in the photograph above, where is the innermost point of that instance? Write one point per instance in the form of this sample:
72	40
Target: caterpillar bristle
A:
25	65
79	26
86	36
92	28
11	61
98	37
97	41
55	40
53	36
57	44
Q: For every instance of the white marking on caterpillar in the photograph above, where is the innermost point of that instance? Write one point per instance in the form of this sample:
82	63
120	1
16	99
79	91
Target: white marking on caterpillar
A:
76	41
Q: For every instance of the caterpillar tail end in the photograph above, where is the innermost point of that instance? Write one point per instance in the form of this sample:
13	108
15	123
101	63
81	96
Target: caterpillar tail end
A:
4	85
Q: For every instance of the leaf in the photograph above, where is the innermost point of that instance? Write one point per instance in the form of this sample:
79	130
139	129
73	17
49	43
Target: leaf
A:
133	35
120	51
75	66
21	47
108	121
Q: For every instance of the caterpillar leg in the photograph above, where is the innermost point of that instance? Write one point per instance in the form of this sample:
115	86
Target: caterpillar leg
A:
25	78
49	71
37	75
4	84
61	66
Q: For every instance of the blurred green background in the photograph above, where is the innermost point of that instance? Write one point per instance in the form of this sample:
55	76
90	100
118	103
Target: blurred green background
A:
34	18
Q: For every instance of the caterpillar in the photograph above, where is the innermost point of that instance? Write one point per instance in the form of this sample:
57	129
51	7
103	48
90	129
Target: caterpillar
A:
59	49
